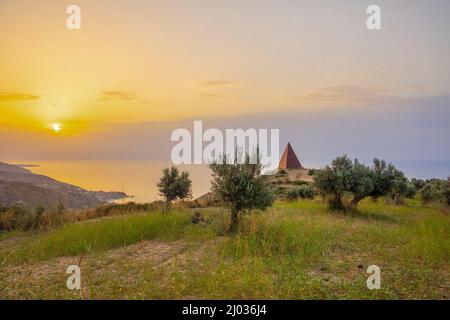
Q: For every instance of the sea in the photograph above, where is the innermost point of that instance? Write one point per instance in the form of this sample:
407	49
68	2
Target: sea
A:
139	178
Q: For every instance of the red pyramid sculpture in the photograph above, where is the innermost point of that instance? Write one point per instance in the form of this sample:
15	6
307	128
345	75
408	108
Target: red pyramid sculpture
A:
289	159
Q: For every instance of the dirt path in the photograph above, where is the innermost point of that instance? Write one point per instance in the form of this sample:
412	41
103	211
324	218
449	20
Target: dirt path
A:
47	279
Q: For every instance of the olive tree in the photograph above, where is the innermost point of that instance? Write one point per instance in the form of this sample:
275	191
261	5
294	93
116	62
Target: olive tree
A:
436	191
388	181
383	176
418	183
341	177
174	185
241	186
346	177
401	188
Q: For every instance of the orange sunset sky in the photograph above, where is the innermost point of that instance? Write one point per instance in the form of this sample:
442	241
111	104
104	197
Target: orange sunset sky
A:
137	62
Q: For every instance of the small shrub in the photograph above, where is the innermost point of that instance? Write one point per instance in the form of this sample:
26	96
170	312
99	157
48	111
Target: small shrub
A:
436	192
60	208
197	217
118	209
299	183
20	218
39	210
305	191
292	195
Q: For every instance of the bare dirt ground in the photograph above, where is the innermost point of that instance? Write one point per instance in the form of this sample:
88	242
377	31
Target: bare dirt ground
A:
30	280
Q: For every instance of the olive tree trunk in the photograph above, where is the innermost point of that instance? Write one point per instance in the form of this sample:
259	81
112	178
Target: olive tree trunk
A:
336	202
352	205
234	221
166	205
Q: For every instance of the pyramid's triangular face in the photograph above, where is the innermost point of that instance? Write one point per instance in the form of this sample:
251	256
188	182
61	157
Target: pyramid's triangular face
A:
289	159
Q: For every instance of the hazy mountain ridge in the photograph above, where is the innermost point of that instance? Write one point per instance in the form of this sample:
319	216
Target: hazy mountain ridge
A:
20	186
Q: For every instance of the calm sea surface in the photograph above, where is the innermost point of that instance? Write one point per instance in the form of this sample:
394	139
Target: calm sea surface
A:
139	178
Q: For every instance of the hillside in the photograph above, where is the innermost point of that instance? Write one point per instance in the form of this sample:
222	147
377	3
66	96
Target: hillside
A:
282	181
295	250
20	186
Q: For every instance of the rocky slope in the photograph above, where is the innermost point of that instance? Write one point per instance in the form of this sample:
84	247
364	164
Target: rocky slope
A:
21	186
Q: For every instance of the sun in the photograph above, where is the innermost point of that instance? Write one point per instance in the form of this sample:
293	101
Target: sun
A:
56	127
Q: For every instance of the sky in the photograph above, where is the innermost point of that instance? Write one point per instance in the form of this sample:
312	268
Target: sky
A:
138	69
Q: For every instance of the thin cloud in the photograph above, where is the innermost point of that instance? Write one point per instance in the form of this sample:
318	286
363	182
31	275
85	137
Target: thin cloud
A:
346	94
217	83
16	96
210	95
116	95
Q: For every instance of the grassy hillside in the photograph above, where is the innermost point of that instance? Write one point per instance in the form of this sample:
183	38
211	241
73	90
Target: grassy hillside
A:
295	250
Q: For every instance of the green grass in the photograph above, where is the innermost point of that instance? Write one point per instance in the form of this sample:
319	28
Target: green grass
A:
429	240
8	235
287	238
301	250
91	237
295	250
